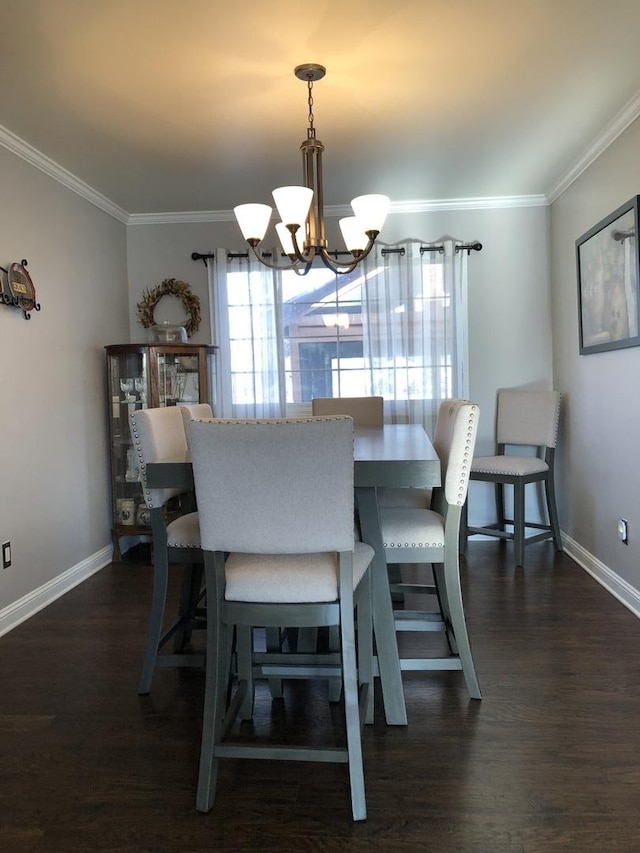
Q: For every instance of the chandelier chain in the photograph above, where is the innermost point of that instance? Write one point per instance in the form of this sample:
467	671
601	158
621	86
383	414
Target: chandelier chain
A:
311	131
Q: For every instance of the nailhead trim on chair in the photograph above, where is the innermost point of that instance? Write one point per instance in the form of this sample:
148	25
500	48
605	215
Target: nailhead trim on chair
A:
141	465
412	544
271	421
468	455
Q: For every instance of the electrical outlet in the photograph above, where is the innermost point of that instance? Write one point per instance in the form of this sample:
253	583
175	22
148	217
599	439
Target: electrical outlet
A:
6	555
623	530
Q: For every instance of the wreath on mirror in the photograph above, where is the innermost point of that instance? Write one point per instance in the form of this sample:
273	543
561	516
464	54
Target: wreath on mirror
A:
170	287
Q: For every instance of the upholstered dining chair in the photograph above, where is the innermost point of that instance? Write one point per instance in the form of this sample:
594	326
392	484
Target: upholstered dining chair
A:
190	411
369	412
526	437
277	497
422	536
159	434
365	411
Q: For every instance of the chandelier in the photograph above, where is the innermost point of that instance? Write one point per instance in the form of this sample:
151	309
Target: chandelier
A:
302	207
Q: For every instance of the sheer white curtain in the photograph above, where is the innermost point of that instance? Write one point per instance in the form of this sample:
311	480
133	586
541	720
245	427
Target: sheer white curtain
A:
414	317
395	327
247	322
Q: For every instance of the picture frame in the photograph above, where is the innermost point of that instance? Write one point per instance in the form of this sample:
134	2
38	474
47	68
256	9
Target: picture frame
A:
608	267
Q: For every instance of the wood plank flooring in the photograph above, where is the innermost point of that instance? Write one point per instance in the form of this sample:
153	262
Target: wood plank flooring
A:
549	760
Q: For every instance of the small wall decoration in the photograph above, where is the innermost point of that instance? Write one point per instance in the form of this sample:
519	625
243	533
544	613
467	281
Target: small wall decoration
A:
170	287
608	265
17	290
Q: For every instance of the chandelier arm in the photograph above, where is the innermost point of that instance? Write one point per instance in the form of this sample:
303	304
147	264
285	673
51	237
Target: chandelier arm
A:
341	269
335	266
293	264
304	257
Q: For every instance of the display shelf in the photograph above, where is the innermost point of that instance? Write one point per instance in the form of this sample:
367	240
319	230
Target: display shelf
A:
140	376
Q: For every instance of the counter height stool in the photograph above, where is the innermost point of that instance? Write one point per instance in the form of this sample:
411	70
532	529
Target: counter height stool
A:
526	421
423	536
365	411
159	434
277	496
369	412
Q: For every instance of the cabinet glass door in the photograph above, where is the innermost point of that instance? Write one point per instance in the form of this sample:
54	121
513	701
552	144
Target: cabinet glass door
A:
141	376
129	390
178	378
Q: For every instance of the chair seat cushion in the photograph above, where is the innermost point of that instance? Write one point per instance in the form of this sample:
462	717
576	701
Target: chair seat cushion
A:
411	528
512	466
290	578
184	532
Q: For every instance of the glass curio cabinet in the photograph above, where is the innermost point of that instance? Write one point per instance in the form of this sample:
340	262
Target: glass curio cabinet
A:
141	376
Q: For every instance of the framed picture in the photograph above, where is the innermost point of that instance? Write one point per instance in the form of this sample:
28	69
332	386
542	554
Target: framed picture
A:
608	279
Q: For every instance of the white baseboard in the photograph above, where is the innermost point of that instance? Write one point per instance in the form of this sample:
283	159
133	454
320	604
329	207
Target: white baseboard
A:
25	607
613	583
12	615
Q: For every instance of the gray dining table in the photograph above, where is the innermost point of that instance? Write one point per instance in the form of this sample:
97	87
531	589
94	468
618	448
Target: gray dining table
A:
395	455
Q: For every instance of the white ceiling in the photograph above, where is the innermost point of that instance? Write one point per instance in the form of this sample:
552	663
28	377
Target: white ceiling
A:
192	105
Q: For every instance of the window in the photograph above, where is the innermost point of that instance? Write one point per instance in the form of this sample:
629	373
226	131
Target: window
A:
395	327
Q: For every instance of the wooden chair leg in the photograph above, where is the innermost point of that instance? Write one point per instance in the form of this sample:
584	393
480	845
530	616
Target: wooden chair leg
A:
156	618
335	684
273	644
464	529
244	651
308	644
552	509
518	522
352	712
499	491
445	607
459	625
365	646
217	676
191	583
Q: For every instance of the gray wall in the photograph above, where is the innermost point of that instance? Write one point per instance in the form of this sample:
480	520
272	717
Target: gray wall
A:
509	307
90	272
54	490
599	464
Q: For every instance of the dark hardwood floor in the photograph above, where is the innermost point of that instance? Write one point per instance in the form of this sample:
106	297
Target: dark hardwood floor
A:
548	760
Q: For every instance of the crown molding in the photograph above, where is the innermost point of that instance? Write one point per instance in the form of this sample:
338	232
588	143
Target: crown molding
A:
397	207
628	114
181	216
36	158
482	203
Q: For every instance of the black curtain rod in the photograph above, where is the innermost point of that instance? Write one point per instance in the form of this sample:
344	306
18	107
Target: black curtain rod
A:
197	256
463	247
204	257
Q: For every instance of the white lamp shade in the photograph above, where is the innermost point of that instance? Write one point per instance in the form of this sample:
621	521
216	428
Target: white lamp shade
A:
285	239
293	204
353	234
371	210
253	220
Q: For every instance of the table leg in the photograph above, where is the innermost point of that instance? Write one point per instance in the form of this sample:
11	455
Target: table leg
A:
383	624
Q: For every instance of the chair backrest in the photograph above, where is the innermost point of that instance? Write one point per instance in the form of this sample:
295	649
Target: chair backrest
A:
274	486
365	411
157	434
454	441
528	418
194	411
